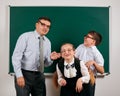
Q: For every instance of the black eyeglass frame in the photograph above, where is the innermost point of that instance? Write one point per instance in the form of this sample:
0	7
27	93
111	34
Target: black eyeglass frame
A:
86	36
43	24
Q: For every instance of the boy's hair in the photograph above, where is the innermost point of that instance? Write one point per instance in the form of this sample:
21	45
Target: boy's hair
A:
97	36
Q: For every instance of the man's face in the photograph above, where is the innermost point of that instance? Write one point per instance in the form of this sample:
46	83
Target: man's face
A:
43	27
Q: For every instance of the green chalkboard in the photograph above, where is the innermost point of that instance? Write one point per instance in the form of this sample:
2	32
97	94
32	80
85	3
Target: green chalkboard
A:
69	24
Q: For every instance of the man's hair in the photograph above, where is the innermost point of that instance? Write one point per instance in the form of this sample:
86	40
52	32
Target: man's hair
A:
44	18
97	37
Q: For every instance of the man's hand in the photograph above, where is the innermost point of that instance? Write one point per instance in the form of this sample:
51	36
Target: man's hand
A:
54	55
21	81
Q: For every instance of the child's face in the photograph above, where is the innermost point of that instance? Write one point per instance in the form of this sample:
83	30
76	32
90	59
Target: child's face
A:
89	40
67	52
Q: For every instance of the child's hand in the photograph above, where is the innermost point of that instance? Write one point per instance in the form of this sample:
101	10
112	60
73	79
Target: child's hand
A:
63	82
79	86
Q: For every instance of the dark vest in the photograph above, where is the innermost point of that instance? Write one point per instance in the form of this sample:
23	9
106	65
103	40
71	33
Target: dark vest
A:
77	66
71	82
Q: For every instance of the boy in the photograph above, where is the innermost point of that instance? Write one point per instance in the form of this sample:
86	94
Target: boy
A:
93	59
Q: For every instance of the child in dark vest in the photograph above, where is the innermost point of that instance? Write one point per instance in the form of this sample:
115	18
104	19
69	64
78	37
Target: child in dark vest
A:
72	73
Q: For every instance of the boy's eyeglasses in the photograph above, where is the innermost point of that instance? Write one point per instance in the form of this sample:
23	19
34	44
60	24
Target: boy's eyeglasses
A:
87	36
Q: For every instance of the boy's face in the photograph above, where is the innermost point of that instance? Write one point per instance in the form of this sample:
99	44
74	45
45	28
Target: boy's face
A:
67	52
89	40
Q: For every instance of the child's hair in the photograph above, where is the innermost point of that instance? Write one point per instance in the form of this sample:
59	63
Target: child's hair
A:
69	44
97	37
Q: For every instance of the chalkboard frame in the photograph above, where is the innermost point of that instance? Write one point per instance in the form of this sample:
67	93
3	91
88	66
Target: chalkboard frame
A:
95	22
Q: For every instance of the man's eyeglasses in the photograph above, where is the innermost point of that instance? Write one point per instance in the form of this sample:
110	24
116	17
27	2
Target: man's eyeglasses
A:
43	24
87	36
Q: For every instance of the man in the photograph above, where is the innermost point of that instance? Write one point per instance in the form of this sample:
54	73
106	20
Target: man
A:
29	79
89	53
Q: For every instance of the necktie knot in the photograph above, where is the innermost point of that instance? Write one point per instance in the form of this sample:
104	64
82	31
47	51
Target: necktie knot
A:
41	37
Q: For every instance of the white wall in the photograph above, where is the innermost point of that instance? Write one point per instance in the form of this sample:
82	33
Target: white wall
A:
108	86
